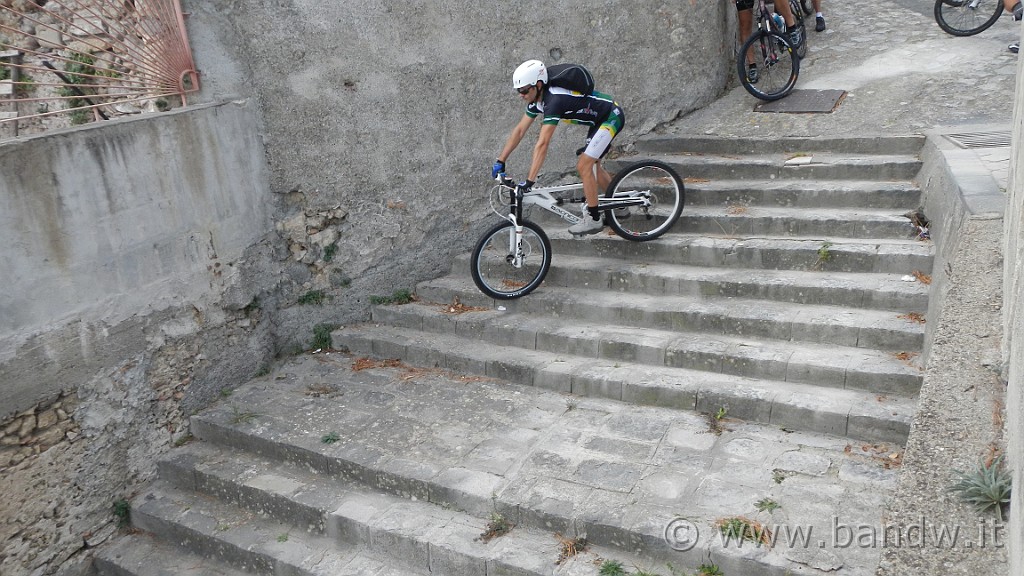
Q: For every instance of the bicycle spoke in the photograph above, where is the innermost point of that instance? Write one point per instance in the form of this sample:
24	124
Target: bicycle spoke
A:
652	181
495	268
967	17
778	67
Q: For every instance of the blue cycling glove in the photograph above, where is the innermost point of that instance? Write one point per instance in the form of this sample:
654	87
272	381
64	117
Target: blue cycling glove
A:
525	186
498	168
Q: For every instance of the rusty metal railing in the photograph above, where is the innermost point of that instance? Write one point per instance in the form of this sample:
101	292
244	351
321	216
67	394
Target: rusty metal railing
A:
70	62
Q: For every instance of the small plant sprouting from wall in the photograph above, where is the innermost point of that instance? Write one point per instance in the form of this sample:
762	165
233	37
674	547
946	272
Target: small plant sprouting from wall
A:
122	513
316	297
397	297
322	337
329	252
985	488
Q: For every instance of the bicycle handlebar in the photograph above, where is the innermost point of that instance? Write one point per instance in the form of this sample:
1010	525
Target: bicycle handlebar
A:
505	180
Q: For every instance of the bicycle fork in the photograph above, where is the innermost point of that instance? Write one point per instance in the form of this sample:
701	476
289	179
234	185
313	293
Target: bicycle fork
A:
515	239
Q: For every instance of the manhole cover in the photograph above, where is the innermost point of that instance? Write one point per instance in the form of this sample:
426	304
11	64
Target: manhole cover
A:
804	102
999	139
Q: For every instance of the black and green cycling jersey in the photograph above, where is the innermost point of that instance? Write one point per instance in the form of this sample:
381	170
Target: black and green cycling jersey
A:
592	110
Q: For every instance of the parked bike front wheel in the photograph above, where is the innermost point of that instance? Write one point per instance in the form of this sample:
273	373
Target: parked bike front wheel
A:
494	267
778	66
967	17
667	196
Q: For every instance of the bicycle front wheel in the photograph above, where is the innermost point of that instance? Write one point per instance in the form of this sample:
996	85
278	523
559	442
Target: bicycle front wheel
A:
967	17
652	179
493	264
778	66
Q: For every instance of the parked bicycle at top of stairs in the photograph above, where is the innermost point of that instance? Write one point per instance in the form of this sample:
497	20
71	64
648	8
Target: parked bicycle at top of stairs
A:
768	63
970	17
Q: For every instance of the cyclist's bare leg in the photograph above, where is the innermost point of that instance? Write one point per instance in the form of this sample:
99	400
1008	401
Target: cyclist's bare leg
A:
745	19
586	166
783	9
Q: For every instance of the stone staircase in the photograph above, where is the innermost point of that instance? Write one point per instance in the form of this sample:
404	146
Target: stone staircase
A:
758	365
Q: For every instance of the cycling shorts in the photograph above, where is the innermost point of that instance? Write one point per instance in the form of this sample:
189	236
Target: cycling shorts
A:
599	138
744	4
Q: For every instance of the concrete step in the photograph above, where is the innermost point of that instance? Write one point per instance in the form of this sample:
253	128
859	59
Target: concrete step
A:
833	194
400	521
687	143
886	256
792	405
437	447
873	329
784	166
140	554
903	293
233	537
744	221
808	363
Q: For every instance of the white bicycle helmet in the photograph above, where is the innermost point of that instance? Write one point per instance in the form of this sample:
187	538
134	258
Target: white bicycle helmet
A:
529	73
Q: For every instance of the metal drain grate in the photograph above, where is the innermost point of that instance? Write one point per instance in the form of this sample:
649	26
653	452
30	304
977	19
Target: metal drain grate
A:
981	139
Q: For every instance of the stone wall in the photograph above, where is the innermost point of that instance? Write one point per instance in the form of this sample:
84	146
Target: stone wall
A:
1013	328
136	291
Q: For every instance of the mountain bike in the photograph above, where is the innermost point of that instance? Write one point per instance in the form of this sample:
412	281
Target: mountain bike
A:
643	201
967	17
778	63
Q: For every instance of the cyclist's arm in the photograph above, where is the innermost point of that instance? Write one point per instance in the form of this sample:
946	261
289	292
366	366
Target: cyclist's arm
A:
540	151
516	137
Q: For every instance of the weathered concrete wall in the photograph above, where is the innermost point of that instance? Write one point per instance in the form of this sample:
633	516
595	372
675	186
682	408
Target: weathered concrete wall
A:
132	277
1013	327
107	225
394	111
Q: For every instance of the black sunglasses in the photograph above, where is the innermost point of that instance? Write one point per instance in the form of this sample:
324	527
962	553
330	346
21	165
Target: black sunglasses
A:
524	90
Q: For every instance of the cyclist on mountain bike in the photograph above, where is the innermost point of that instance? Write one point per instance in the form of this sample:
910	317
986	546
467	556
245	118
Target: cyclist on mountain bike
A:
596	110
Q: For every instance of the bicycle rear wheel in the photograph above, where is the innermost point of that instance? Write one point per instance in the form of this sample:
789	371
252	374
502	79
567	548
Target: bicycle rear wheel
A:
967	17
778	66
667	197
808	9
492	261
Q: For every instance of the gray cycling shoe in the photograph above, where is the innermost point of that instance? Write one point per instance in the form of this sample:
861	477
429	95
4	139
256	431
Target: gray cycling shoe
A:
587	226
1014	47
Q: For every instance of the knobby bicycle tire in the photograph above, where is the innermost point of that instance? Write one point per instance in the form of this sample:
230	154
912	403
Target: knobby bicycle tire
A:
778	66
491	262
667	198
967	18
798	16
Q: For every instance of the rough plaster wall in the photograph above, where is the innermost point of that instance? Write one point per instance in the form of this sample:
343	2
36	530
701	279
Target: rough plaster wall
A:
109	224
1013	315
394	111
136	289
